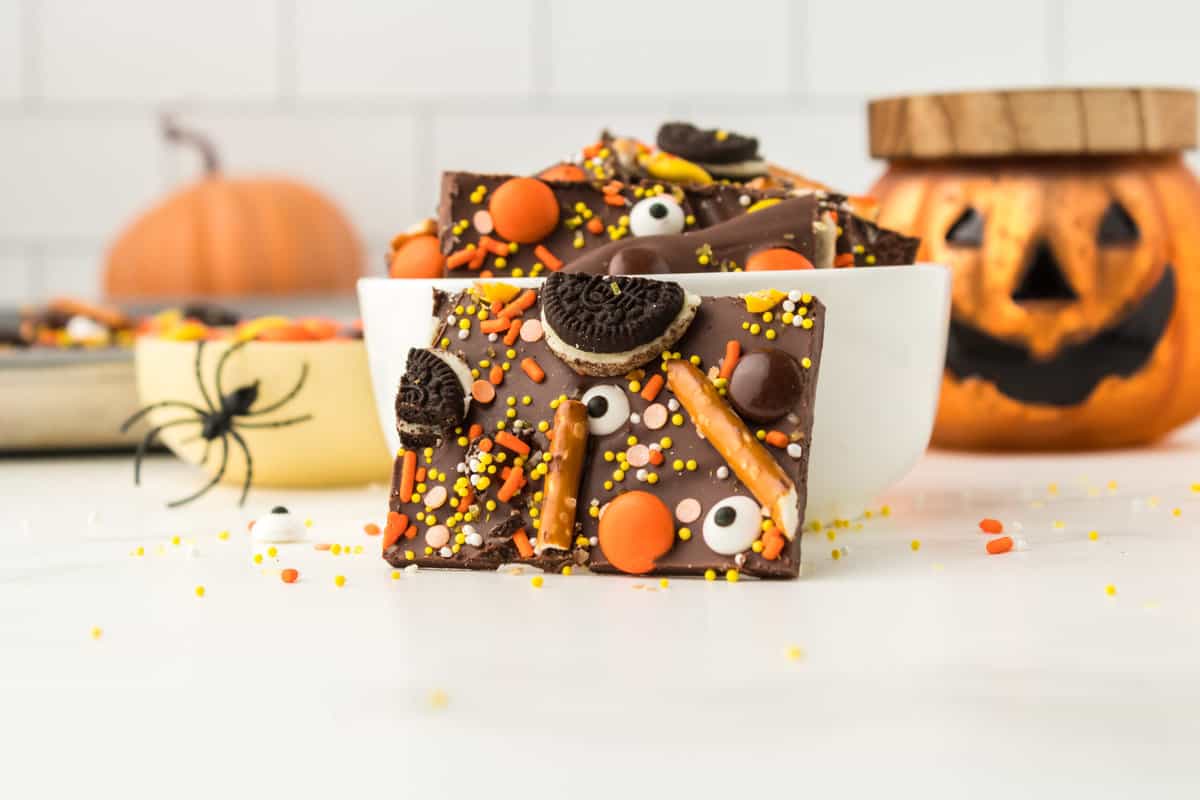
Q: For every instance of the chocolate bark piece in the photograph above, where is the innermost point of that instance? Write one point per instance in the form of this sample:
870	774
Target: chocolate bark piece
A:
791	224
591	214
691	479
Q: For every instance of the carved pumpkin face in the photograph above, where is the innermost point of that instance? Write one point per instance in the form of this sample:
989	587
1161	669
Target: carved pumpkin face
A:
1073	280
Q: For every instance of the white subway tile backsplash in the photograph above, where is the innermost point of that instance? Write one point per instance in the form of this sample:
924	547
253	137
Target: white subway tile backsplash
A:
417	47
873	48
363	162
1156	45
12	50
632	47
152	51
75	270
72	178
16	272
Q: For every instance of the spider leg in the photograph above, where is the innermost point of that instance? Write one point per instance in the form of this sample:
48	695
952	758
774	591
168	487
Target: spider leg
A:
220	473
249	465
147	440
283	423
221	365
295	390
164	404
200	378
207	446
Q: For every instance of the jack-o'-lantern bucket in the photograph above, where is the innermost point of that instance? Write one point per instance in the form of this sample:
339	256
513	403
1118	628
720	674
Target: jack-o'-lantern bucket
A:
1072	227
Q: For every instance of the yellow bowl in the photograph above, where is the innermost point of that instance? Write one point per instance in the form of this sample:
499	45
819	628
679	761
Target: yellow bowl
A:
340	445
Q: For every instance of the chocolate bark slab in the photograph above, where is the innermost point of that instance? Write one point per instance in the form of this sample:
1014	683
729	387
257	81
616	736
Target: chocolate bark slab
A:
691	471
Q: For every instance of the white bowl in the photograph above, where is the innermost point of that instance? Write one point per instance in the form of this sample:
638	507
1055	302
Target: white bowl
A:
881	368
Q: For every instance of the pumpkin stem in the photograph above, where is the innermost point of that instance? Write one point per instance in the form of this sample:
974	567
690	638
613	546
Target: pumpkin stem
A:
173	132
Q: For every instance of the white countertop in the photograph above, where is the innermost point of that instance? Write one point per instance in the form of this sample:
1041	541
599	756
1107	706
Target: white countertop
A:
941	669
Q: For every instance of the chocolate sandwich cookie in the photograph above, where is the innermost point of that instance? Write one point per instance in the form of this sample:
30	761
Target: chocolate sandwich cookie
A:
433	397
609	325
721	153
656	471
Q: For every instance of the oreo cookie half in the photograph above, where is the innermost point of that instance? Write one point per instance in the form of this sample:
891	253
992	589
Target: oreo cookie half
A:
434	396
721	153
606	325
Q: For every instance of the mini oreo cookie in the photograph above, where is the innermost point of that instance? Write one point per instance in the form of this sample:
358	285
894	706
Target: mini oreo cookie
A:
433	396
607	325
706	146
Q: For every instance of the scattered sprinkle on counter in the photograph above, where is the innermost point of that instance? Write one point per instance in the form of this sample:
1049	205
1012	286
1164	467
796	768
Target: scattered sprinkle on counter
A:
915	545
536	581
991	526
794	653
1176	512
1110	590
223	536
438	699
664	583
1093	535
308	523
371	529
1001	545
258	558
272	551
97	632
1059	524
395	574
175	540
836	554
339	581
289	575
200	591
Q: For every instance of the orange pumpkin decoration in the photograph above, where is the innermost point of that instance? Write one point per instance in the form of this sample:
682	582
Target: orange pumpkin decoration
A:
1076	284
225	236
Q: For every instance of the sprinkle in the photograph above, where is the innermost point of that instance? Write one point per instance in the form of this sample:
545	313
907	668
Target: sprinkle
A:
655	415
710	574
732	576
531	368
408	475
777	439
289	575
1093	535
1001	545
536	581
915	545
1110	590
258	558
339	581
989	525
653	386
688	510
507	440
199	591
722	472
685	534
733	350
97	633
664	583
521	540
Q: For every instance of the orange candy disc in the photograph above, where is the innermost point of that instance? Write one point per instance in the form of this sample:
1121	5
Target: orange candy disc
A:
419	257
777	258
635	530
524	210
566	173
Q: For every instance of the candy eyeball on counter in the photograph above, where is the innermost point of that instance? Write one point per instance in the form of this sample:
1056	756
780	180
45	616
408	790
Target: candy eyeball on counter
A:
279	526
732	525
607	409
656	216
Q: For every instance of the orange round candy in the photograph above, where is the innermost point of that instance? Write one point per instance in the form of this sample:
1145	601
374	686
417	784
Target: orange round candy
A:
289	575
635	530
524	210
419	257
777	258
565	173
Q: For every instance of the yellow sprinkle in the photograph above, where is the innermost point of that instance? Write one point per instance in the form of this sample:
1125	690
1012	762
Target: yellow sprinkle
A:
830	534
685	534
438	699
175	540
258	559
691	465
664	583
665	442
771	333
652	478
336	549
536	581
1175	512
886	510
1093	535
794	653
223	536
1052	489
710	574
915	545
760	434
272	551
755	328
1110	590
837	554
97	633
677	420
339	581
757	546
806	362
141	551
395	574
199	591
1059	524
732	576
308	523
1196	487
566	570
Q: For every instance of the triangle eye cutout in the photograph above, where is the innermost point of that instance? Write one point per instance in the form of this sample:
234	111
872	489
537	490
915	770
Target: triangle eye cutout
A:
967	230
1117	227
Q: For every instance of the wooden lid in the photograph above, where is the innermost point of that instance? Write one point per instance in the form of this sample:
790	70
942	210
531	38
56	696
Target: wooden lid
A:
1028	122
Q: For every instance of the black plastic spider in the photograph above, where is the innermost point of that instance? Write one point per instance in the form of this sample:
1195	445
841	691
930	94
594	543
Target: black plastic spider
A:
218	422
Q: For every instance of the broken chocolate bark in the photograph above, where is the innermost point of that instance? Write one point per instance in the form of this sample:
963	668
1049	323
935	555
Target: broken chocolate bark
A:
692	463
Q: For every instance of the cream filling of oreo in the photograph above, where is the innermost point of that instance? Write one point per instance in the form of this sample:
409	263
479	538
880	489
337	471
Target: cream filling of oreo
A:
611	364
739	169
824	241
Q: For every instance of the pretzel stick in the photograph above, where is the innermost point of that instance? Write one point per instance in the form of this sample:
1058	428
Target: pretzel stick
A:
560	493
724	429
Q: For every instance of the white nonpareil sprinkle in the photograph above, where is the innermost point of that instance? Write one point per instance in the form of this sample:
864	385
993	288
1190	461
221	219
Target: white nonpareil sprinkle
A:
635	418
744	199
594	541
474	539
451	319
797	322
641	474
740	559
673	404
445	552
794	295
463	333
492	337
794	450
722	472
788	305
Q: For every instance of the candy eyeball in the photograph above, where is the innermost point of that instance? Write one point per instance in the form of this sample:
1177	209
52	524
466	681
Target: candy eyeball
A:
607	409
655	216
732	525
279	526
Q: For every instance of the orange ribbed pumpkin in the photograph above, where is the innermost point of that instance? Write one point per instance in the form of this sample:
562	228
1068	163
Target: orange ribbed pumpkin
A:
225	236
1076	295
